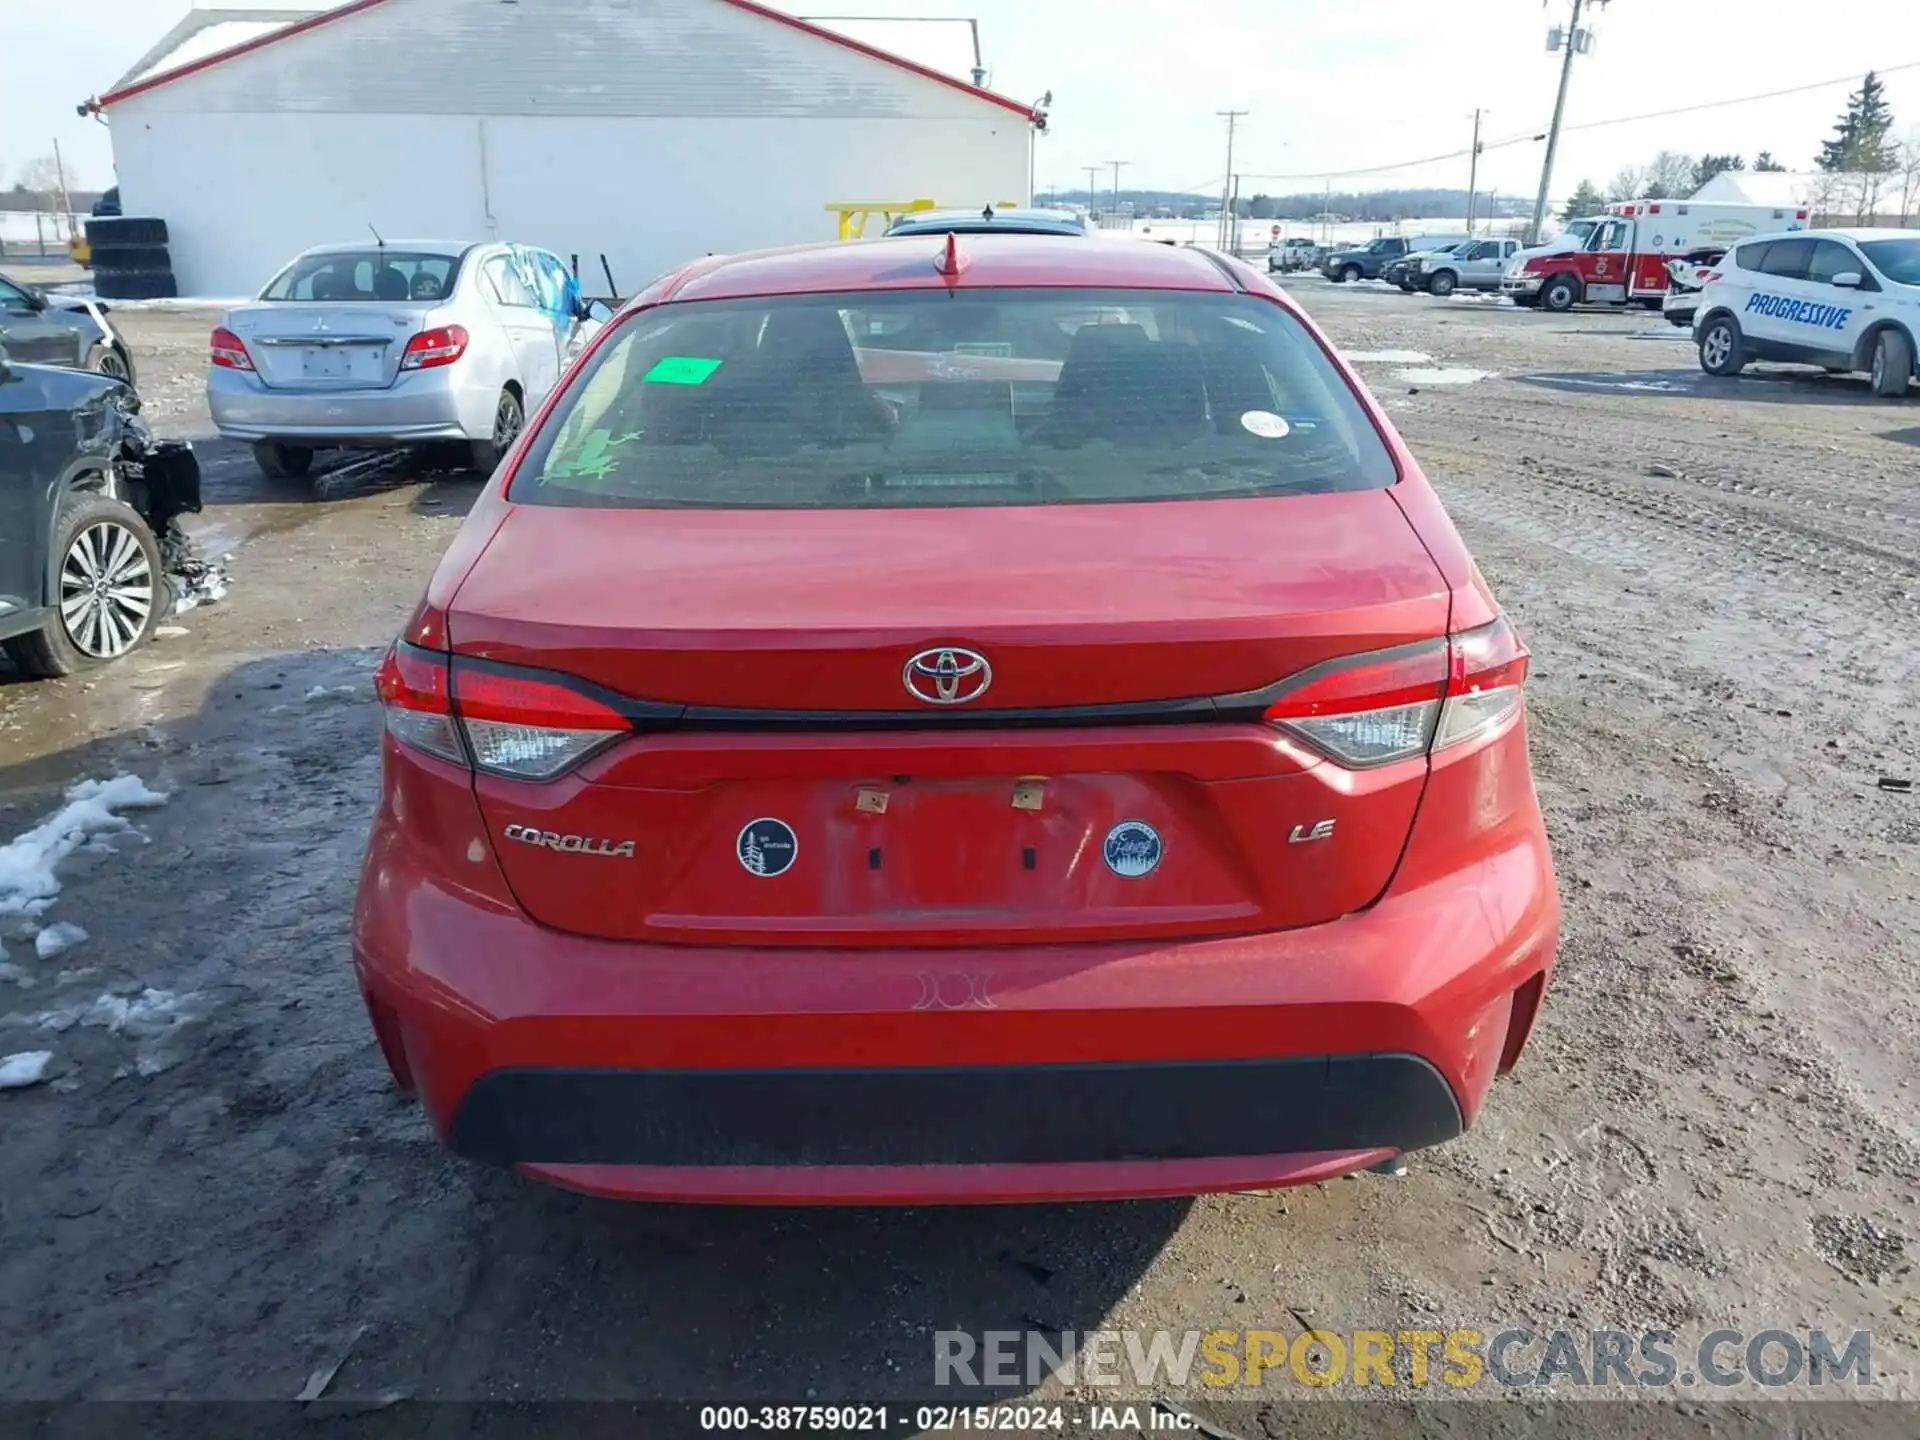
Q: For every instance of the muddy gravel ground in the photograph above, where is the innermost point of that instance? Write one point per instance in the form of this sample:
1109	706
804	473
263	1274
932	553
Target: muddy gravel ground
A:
1717	1124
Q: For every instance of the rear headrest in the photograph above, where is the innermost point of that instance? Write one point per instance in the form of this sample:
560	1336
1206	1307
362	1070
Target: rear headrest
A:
389	284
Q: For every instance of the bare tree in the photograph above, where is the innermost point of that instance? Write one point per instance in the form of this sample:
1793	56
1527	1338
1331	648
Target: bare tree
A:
1670	176
1823	195
1629	183
1907	161
1864	189
42	176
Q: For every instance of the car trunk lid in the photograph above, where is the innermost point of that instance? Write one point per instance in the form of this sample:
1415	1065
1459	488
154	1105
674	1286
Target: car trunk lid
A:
787	788
317	346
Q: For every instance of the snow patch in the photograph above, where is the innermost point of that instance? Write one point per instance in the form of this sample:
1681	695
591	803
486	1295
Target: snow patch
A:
1442	376
59	937
1388	357
29	1067
324	692
17	975
28	884
143	1016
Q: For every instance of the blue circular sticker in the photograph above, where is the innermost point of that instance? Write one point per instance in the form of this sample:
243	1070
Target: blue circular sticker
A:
767	847
1132	849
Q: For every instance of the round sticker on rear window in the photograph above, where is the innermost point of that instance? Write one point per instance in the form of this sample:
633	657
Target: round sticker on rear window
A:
1265	424
767	847
1132	848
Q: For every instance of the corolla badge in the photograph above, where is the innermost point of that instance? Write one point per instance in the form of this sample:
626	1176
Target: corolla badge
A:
1132	849
948	675
571	844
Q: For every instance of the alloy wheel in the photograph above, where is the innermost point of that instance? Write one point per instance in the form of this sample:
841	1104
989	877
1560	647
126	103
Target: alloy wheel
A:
106	590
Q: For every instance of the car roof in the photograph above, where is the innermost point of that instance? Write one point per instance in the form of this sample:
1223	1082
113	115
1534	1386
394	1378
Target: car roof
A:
354	247
989	261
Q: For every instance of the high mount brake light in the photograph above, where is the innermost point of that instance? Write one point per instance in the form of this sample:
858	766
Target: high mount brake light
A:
492	718
1387	705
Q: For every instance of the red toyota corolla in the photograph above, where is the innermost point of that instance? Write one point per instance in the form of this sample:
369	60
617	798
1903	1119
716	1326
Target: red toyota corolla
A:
993	719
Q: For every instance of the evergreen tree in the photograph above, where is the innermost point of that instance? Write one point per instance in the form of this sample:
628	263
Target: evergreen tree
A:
1586	201
1860	139
1709	166
1765	161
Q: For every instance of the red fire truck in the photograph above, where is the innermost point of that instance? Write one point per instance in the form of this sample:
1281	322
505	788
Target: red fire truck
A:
1625	256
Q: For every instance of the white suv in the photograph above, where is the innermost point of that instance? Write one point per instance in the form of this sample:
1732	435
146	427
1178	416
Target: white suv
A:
1845	300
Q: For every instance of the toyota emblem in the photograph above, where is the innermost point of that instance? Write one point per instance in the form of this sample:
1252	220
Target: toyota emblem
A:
947	676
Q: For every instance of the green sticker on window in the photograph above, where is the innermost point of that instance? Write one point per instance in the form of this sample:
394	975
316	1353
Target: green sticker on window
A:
680	370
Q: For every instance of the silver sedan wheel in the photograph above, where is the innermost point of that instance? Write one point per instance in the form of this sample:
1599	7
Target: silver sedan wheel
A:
106	590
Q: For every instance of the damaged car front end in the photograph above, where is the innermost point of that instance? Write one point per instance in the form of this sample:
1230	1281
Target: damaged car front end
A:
92	556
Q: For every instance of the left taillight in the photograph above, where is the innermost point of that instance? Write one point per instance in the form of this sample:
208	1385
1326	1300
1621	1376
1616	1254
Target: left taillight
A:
1387	705
227	350
433	348
492	718
414	689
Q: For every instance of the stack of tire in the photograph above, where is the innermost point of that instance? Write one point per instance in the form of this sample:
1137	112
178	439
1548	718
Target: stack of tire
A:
130	259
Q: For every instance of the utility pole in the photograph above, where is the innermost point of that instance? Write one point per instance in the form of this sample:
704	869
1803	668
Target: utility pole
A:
66	205
1232	117
1571	41
1092	170
1116	182
1473	173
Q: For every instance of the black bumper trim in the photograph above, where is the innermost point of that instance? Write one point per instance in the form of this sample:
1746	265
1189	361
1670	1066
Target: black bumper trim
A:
962	1115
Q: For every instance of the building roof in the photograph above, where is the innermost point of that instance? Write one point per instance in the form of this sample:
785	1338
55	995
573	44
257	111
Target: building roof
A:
206	38
201	33
1782	189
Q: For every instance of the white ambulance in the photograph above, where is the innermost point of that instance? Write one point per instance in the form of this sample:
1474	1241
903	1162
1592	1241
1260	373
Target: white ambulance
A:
1624	259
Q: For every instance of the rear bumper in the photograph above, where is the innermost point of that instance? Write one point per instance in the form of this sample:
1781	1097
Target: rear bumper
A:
421	406
997	1073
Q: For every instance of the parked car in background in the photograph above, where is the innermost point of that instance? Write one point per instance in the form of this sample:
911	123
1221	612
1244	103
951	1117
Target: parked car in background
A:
1398	272
1687	275
1473	265
988	220
742	836
1845	300
39	328
87	504
405	343
1365	262
1296	252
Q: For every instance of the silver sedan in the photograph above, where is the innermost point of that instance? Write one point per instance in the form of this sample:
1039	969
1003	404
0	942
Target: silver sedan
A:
396	343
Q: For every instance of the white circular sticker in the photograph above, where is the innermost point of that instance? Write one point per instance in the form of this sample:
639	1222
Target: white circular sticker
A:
1265	424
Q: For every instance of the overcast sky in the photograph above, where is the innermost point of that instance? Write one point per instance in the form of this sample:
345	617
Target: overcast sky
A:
1333	85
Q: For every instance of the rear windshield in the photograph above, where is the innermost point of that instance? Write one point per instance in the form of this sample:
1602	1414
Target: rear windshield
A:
370	274
931	398
1898	260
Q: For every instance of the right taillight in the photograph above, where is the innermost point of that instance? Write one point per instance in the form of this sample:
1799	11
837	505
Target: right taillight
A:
227	350
1388	705
432	348
1486	669
494	718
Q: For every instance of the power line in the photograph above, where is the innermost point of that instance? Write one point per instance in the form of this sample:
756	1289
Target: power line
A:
1535	136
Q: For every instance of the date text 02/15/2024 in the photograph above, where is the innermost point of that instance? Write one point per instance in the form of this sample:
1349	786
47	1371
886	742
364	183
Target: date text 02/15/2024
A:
946	1419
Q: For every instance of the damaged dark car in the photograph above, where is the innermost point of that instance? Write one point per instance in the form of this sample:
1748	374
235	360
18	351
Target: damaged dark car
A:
92	557
42	328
